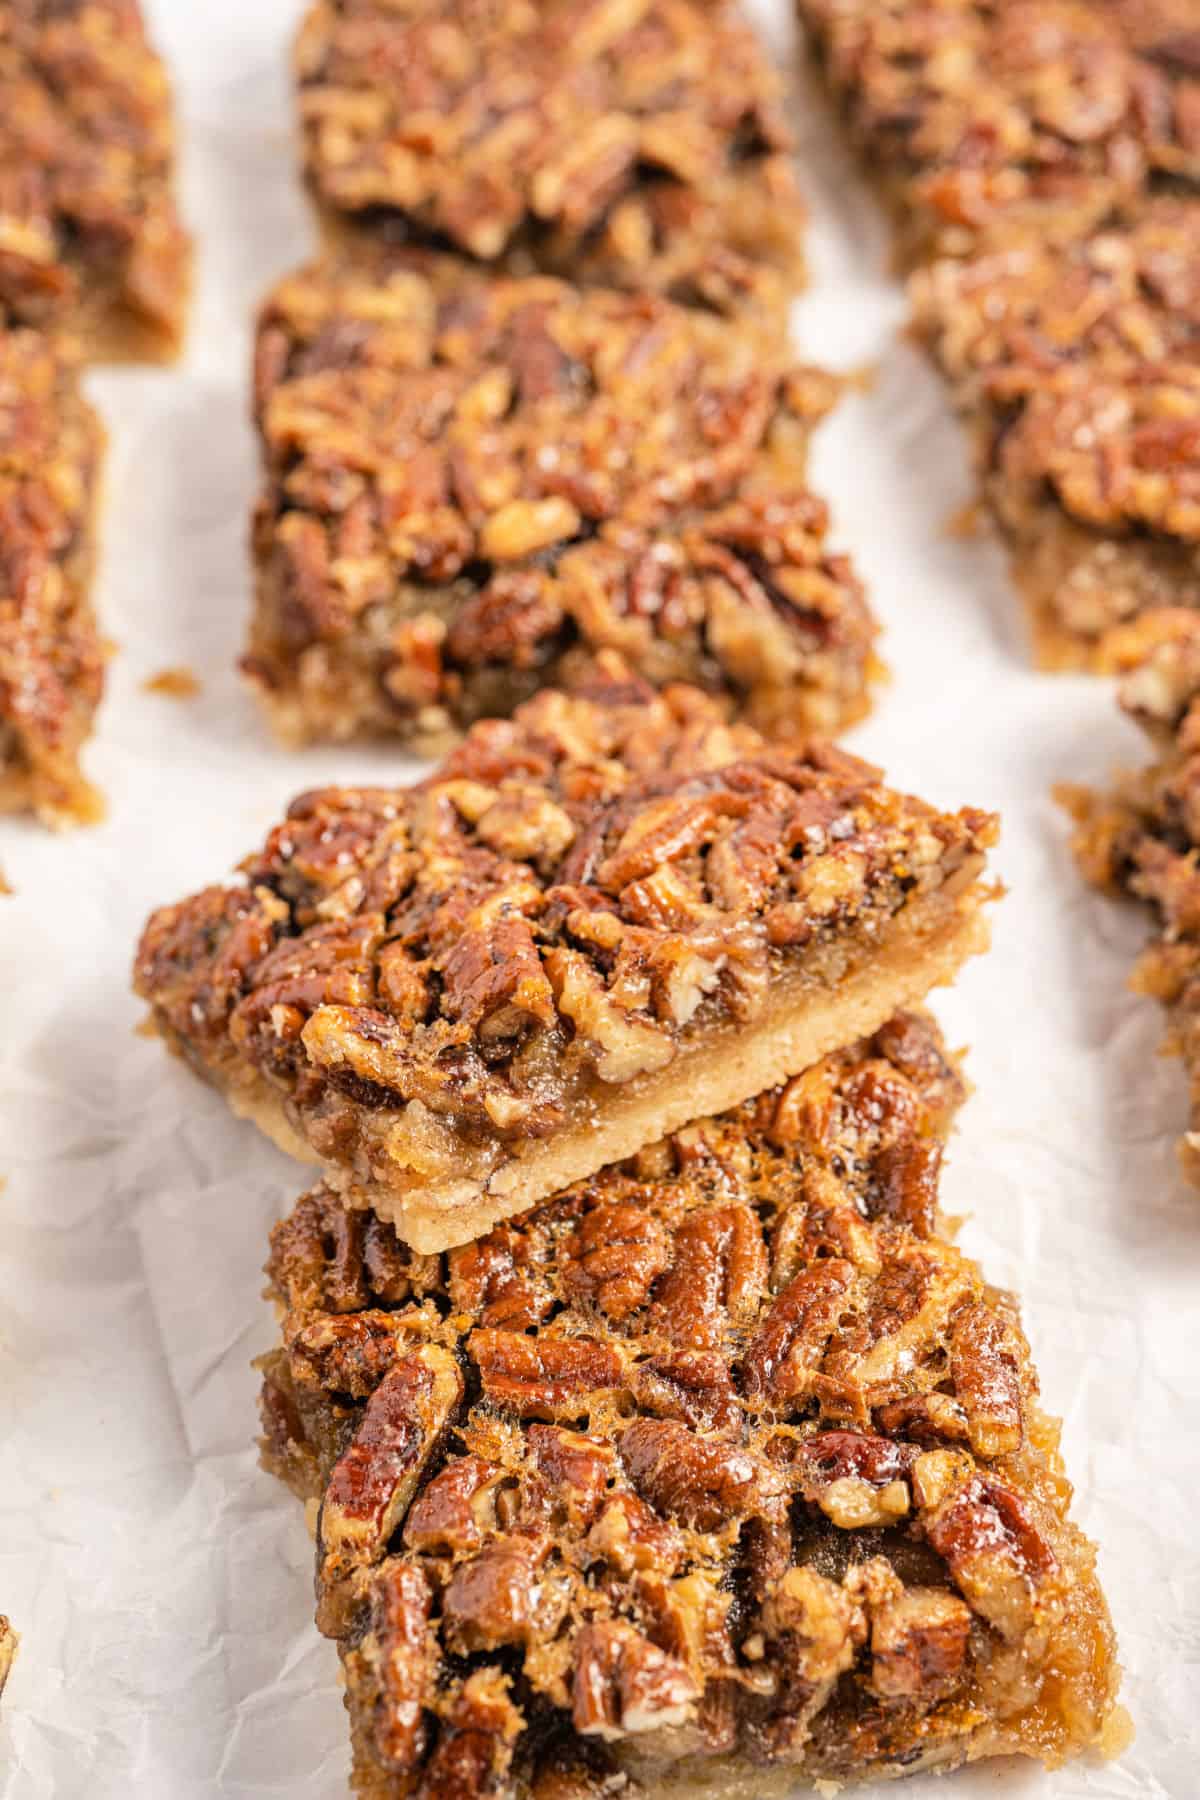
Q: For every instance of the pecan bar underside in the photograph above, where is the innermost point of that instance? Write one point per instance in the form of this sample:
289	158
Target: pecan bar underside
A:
719	1472
586	926
472	484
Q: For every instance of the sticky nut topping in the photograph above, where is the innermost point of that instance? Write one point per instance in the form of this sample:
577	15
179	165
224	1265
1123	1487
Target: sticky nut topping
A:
672	1524
416	988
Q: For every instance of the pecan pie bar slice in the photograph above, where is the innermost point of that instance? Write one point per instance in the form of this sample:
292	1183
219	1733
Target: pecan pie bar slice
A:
986	117
89	234
1078	370
51	654
474	482
637	143
719	1472
586	927
1142	839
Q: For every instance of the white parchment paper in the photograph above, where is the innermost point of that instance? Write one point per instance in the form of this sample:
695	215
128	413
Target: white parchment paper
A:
161	1583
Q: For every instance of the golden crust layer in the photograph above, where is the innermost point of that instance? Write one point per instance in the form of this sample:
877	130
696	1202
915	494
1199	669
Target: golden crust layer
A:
474	483
89	233
429	986
1142	838
636	144
721	1465
51	656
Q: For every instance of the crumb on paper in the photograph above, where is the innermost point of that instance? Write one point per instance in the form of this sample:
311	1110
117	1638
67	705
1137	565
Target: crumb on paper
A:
5	885
965	522
1118	1734
179	683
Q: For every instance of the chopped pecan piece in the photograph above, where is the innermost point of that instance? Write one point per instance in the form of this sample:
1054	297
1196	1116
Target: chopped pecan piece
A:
702	1482
614	1256
791	1341
625	1685
371	1485
456	1510
815	1628
544	1378
554	989
998	1556
475	1746
918	1644
502	1596
397	1651
692	1386
717	1277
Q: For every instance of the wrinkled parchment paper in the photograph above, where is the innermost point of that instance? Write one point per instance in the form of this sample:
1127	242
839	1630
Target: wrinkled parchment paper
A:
160	1581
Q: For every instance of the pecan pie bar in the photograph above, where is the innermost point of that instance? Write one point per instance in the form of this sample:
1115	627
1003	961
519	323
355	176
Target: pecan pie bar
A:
719	1472
586	927
637	143
89	234
1078	370
51	655
474	482
986	117
1142	839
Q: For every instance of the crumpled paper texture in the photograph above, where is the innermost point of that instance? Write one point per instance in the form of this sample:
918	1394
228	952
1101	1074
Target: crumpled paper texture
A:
161	1582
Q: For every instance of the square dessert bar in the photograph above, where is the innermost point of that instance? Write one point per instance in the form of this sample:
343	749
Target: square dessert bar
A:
985	117
1142	839
720	1473
1078	371
473	482
637	143
89	234
51	654
586	927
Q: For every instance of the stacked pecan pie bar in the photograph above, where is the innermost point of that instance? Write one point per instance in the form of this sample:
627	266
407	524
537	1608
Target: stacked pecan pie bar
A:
93	262
641	1463
1043	158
